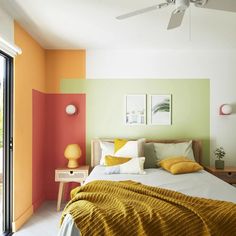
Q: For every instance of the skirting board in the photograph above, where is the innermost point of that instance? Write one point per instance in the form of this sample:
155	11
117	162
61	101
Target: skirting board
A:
38	203
16	225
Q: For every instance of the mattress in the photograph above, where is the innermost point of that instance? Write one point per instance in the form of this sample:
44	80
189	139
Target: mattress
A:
198	184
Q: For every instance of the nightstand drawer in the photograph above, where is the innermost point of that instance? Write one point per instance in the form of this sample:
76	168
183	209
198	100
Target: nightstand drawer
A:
229	177
70	175
228	174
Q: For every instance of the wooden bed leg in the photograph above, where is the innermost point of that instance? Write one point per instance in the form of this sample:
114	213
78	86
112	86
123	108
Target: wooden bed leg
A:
60	193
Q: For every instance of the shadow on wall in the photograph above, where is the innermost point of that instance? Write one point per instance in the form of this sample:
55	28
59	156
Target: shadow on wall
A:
233	108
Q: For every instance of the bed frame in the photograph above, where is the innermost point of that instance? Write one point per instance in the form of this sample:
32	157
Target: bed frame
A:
96	149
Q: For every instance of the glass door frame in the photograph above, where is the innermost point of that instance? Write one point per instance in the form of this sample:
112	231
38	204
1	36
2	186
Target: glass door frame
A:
7	145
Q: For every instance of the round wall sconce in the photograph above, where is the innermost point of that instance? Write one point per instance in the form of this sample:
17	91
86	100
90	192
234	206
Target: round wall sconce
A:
71	109
225	109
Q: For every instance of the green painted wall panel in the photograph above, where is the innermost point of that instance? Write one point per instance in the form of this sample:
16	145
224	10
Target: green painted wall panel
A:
105	105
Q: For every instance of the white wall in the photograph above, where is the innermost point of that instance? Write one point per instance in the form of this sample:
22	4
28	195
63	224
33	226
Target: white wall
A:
218	66
6	26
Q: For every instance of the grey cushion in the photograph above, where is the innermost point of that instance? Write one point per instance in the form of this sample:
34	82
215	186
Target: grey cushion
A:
150	156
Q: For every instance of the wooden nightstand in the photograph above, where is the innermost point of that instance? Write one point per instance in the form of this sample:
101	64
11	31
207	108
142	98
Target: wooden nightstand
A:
228	174
66	175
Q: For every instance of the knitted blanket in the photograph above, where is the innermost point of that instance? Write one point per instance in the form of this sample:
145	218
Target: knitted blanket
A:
129	208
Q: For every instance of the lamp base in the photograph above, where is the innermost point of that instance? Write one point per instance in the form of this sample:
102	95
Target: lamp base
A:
72	163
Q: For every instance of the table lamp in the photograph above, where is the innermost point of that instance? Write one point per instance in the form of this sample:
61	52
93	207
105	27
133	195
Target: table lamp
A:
72	153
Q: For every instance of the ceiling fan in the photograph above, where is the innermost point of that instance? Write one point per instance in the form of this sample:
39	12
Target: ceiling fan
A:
180	7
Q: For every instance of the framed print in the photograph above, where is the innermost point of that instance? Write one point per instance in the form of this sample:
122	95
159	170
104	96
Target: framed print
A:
161	109
135	109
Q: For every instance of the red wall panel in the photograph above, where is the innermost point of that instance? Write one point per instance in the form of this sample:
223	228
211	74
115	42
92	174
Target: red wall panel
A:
59	130
38	161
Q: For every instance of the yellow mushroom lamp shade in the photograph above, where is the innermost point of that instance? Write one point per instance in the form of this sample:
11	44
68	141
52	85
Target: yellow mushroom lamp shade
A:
72	153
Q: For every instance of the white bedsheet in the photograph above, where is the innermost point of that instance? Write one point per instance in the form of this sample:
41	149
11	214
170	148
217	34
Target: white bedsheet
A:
198	184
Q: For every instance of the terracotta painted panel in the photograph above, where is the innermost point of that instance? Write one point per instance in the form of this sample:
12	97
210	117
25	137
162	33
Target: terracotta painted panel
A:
38	162
62	64
29	73
41	70
62	129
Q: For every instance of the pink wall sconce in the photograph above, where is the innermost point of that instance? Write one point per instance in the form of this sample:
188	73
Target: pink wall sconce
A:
225	109
71	110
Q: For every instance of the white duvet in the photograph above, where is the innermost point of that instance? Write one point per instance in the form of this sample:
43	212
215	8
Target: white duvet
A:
198	184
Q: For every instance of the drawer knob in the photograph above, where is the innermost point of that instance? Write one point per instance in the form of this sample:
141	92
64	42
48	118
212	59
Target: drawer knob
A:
71	172
229	173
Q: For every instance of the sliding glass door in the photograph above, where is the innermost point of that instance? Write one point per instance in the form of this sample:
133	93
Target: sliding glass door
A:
6	116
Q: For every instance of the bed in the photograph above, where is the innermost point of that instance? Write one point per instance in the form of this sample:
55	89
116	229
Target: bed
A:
198	184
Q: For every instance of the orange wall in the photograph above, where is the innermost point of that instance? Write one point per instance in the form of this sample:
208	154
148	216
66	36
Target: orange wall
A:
41	70
29	74
63	64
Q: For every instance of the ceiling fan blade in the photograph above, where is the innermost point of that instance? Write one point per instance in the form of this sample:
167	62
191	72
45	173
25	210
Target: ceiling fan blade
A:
176	19
141	11
224	5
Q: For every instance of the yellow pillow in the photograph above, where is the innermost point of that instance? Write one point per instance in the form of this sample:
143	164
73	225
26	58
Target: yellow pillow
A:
119	143
113	161
180	165
169	161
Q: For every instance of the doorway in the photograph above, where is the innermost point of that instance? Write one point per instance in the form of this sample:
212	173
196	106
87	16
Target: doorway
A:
6	142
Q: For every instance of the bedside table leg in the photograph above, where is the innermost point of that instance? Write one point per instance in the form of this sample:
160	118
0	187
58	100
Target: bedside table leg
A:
60	192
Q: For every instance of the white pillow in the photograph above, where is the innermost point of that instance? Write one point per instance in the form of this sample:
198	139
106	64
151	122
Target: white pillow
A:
133	166
166	150
131	149
107	149
141	143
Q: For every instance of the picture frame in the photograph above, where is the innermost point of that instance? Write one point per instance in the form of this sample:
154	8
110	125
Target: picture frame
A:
135	109
161	109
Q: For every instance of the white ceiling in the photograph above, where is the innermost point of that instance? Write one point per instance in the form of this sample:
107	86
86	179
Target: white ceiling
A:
91	24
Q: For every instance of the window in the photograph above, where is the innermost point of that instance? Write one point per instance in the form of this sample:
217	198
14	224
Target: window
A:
6	115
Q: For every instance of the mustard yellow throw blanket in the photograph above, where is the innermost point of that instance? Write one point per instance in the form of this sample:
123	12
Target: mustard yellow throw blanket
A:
128	208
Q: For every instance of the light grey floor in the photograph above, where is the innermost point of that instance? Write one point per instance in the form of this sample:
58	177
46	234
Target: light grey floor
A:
44	222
